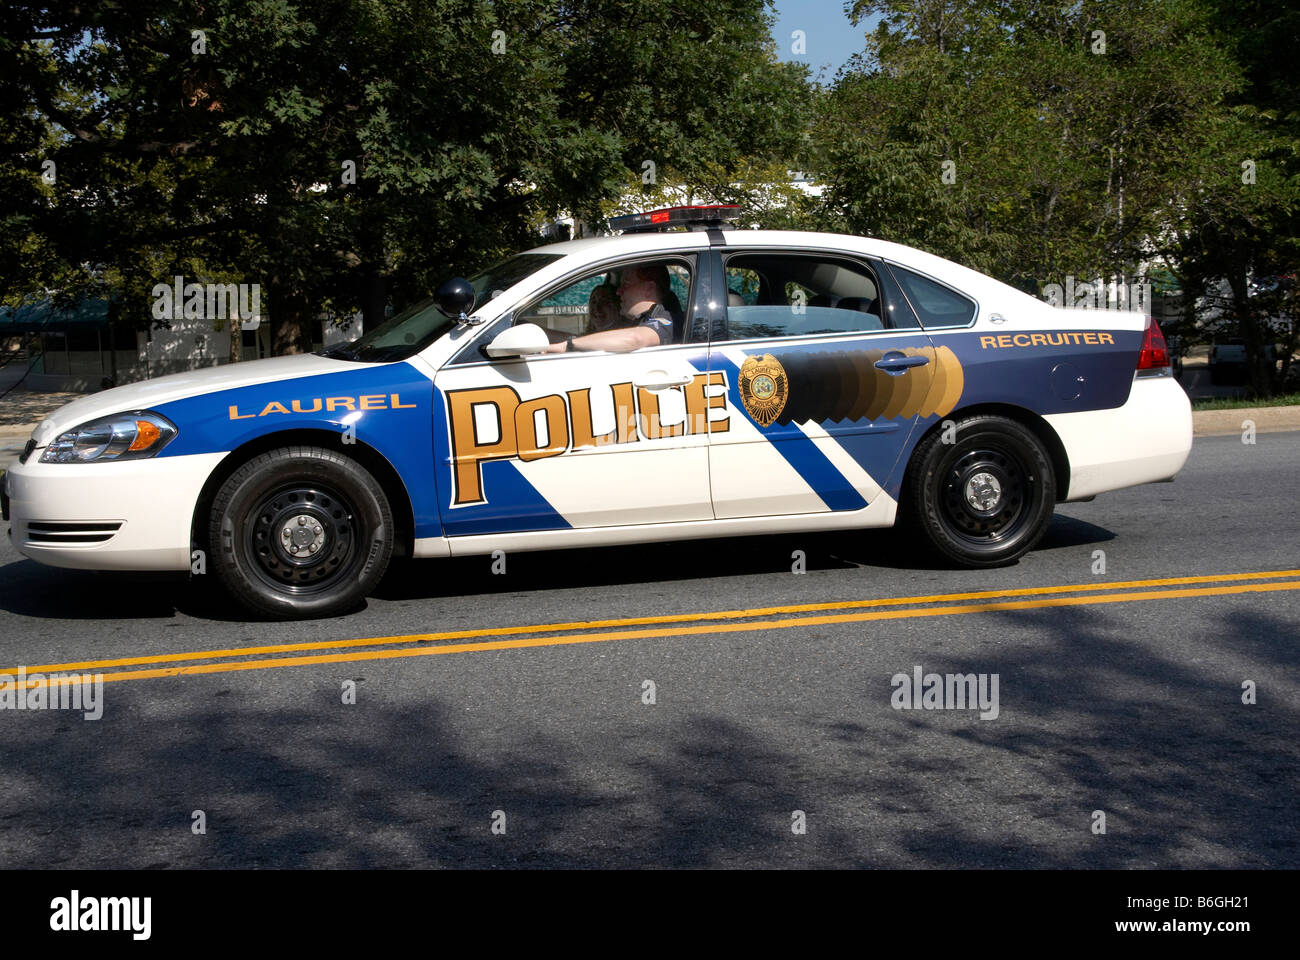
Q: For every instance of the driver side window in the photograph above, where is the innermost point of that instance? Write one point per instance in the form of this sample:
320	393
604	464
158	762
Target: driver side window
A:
570	311
599	301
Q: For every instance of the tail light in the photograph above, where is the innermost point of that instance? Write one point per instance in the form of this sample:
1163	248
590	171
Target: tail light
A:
1154	354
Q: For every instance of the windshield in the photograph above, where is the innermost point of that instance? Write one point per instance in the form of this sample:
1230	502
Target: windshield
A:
407	333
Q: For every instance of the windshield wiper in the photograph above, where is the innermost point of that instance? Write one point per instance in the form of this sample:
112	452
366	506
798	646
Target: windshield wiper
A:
344	351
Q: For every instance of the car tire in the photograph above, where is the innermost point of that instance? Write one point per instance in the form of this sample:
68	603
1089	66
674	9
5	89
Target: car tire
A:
986	497
300	532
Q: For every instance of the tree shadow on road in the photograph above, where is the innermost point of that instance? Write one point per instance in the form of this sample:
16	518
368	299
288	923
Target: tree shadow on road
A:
1095	715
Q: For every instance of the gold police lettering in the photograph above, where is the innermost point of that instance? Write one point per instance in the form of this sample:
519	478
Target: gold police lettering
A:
373	401
1091	338
511	425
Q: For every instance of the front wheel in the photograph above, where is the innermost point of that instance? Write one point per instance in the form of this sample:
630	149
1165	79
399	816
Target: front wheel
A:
982	493
300	532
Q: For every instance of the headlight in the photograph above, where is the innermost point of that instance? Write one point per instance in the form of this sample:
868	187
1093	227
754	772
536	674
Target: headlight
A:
123	436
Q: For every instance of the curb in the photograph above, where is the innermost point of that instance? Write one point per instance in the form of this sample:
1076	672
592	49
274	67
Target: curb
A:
1218	423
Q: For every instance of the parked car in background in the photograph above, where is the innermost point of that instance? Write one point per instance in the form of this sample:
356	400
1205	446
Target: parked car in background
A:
1228	362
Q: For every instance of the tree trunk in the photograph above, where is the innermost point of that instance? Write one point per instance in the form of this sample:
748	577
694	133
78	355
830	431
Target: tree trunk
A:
290	321
1259	369
374	299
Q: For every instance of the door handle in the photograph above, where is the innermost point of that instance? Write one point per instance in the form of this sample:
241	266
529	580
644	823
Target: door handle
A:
659	379
896	364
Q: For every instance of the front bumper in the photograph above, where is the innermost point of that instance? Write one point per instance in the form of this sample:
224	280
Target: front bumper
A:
107	516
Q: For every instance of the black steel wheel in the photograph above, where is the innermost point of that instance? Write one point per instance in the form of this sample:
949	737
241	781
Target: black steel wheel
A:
985	498
300	532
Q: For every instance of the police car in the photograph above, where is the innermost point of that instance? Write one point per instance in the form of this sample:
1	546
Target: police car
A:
777	382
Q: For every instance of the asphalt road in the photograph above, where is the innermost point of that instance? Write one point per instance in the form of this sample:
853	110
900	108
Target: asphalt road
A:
1125	700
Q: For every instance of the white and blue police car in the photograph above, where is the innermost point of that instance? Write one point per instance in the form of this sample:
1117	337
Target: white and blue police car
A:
743	382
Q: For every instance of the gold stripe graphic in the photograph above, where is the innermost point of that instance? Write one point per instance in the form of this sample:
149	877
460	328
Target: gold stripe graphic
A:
847	385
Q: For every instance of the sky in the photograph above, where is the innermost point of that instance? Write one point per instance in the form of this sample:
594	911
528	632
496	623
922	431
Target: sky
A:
830	38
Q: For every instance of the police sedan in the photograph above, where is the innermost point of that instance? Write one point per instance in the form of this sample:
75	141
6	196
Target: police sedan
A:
664	384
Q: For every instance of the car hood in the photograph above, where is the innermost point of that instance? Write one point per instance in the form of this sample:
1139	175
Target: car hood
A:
152	393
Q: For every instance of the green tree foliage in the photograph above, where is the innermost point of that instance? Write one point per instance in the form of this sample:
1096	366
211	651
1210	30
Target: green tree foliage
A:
1090	139
232	151
1238	245
1031	142
348	154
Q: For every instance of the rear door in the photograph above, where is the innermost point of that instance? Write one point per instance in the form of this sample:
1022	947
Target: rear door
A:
827	372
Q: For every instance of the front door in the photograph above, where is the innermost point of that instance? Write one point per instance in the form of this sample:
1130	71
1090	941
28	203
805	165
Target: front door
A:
585	439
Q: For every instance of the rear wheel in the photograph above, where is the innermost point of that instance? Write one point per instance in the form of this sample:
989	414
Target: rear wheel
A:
300	532
985	498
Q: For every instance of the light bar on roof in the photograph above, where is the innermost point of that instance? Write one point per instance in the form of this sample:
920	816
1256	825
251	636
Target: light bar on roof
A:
696	217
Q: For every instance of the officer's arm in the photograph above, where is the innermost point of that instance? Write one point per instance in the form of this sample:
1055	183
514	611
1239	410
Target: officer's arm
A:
615	341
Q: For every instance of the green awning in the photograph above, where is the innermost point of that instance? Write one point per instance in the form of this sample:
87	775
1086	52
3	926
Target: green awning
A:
43	316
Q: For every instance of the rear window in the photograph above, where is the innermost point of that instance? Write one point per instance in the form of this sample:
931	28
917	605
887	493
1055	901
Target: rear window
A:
935	304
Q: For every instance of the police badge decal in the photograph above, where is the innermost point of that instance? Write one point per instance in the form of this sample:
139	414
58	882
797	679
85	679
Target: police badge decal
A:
763	388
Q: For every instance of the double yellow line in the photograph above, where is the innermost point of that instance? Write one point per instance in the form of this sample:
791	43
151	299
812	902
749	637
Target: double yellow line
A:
234	659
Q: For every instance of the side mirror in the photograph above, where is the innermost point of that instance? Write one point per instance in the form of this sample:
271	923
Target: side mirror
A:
523	340
455	298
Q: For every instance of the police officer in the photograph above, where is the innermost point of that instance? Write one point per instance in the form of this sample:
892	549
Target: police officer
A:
645	320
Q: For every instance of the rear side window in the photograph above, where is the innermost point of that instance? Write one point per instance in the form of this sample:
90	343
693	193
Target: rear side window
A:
935	304
796	294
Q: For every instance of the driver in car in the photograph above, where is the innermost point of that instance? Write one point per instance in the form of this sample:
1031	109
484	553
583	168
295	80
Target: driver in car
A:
644	319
